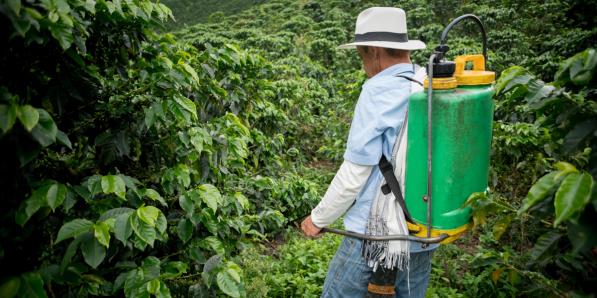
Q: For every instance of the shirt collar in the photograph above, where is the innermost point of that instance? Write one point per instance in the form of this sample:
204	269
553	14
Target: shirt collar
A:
394	70
391	71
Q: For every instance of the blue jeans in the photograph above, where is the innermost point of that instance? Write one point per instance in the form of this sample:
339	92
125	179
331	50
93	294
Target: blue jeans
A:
348	275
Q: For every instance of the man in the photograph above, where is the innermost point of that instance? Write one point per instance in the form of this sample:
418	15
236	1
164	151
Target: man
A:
382	43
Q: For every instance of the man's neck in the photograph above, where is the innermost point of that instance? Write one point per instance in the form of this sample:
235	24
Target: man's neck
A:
385	63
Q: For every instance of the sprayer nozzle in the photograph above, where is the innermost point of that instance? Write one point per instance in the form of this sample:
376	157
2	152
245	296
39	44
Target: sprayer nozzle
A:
442	48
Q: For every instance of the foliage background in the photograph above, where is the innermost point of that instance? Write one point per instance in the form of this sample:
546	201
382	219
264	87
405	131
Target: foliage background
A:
140	163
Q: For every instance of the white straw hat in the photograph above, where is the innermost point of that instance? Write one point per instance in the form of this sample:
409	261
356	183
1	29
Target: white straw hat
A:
383	27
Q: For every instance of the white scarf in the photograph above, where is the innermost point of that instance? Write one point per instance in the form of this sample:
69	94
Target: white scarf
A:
386	216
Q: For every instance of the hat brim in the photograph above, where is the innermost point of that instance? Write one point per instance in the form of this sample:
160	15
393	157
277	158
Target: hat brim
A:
409	45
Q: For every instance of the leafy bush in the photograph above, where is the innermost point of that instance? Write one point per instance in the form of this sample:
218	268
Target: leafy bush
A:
142	164
560	206
296	268
127	152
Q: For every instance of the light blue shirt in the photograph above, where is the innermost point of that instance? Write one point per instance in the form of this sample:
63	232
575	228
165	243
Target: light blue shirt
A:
378	115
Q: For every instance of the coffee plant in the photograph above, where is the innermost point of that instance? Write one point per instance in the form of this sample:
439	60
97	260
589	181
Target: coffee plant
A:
146	155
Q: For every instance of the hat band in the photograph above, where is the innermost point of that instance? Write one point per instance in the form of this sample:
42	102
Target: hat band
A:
381	36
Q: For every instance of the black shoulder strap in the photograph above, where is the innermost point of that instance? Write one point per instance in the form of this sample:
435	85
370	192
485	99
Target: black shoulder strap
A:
410	79
387	170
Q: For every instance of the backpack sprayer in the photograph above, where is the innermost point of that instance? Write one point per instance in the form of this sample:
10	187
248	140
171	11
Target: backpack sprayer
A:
449	130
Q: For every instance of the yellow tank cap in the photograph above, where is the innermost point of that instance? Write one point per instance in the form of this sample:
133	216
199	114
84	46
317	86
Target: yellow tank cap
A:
453	234
442	83
477	76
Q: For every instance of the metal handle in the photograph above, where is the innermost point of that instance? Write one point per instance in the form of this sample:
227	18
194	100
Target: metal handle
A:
426	240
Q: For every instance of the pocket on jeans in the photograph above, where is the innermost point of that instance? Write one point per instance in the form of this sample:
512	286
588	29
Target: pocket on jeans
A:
342	256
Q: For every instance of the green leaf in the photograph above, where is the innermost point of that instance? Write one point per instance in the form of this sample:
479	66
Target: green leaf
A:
63	139
578	69
120	279
142	230
113	184
199	137
114	213
90	6
32	286
538	92
93	185
164	291
122	227
187	104
185	230
572	196
565	168
581	232
32	205
73	229
161	223
512	77
215	244
101	231
28	116
15	6
244	202
70	200
10	288
151	115
227	284
155	196
210	196
133	285
173	269
151	267
187	203
234	270
544	243
153	286
130	182
501	225
514	277
63	34
183	175
8	117
208	219
46	130
71	250
56	195
474	198
148	214
577	135
93	252
139	243
191	71
540	191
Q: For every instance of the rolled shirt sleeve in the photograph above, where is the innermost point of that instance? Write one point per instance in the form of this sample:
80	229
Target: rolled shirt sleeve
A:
341	193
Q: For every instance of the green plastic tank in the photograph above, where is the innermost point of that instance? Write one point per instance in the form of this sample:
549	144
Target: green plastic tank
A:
462	126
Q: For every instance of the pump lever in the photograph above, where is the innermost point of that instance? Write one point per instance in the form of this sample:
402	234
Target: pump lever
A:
426	240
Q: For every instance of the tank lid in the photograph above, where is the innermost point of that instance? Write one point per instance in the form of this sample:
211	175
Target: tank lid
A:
443	69
443	75
441	83
477	76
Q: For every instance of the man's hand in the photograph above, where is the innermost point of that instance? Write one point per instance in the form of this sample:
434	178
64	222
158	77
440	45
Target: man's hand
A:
309	229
